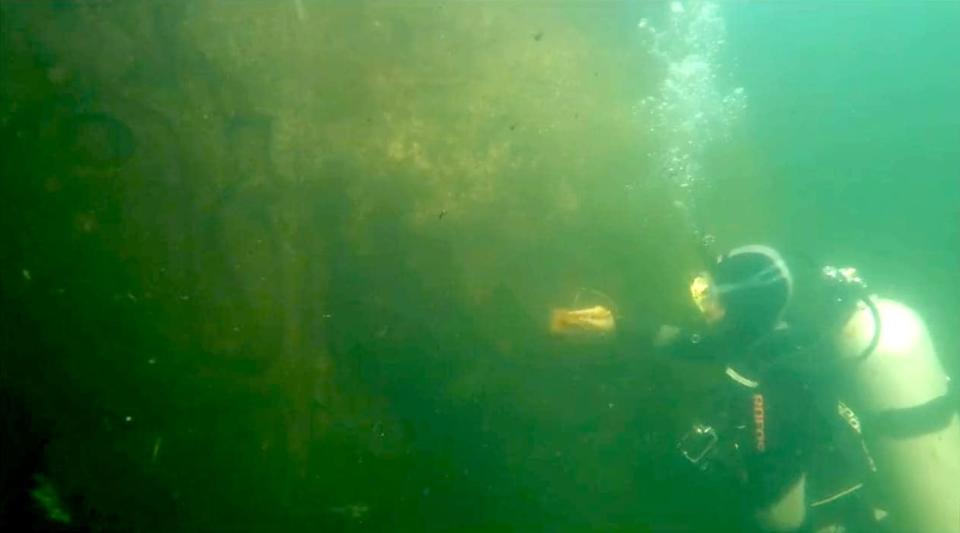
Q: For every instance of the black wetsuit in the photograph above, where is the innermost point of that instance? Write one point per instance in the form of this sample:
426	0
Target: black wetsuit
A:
782	418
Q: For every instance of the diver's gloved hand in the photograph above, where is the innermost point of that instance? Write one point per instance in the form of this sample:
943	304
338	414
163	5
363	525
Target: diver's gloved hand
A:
666	336
673	341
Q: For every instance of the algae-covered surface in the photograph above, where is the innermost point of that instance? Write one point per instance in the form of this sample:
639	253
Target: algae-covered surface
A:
289	266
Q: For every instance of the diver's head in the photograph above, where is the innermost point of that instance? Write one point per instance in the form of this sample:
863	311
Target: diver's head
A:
749	288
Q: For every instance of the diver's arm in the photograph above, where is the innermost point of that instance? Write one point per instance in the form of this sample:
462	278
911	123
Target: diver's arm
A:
675	342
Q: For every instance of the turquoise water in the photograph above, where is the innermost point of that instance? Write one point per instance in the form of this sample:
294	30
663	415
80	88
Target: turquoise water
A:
290	265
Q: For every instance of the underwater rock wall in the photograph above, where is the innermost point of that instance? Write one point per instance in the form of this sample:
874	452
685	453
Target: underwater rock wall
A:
295	257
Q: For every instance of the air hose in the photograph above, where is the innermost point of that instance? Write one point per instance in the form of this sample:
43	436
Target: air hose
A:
875	340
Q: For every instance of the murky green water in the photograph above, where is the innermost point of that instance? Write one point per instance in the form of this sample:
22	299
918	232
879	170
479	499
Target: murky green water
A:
289	265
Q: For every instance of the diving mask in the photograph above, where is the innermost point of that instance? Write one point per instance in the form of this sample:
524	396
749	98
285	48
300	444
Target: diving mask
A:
704	297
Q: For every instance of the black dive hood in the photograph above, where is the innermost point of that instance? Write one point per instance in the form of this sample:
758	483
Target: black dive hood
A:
754	286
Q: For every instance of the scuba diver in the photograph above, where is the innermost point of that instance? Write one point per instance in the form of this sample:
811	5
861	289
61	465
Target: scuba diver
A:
846	424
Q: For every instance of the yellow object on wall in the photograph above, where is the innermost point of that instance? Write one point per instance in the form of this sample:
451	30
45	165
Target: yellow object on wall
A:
596	319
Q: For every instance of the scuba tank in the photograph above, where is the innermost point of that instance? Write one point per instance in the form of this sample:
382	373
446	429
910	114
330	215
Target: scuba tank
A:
892	376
